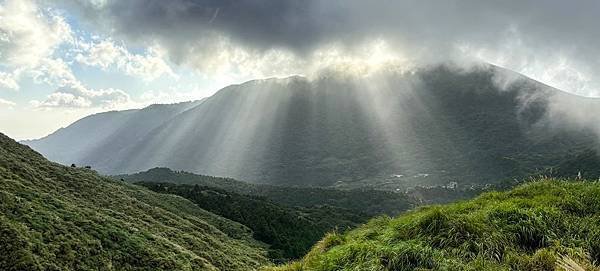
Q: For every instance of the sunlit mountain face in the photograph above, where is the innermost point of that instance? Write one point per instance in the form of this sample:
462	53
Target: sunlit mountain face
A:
389	129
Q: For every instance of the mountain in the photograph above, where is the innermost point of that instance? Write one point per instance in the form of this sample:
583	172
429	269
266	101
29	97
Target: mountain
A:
54	217
100	137
367	201
290	231
542	225
387	130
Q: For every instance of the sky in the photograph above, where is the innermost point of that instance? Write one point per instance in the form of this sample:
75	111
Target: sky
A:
64	59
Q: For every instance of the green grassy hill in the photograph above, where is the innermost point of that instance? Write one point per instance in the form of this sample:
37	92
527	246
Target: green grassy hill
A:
532	227
54	217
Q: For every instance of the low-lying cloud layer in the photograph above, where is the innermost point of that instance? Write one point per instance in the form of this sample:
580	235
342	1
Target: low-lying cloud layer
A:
554	41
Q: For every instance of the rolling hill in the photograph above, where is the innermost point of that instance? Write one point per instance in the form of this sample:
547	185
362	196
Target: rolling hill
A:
389	130
54	217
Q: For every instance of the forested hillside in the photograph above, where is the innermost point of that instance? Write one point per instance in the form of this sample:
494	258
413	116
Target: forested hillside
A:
290	231
367	201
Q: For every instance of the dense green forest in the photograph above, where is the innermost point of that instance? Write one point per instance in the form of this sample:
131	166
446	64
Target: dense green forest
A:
368	201
371	202
546	224
289	231
585	164
54	217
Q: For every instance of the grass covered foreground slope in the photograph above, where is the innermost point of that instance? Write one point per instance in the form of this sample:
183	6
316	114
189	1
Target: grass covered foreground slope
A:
533	227
54	217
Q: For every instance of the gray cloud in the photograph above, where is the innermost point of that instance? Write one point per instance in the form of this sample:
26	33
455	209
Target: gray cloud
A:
554	41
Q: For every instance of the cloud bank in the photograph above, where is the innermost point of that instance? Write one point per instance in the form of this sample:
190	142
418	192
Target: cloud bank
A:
28	37
555	42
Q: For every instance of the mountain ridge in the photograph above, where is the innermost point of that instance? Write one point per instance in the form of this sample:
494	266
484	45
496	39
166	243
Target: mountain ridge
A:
432	126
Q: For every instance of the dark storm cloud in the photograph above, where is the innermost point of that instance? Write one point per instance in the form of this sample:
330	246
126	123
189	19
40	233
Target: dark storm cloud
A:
302	24
520	33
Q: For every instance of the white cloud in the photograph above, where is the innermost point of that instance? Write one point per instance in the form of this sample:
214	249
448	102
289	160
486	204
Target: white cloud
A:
28	36
7	80
53	71
6	103
101	54
62	99
227	62
75	95
106	54
171	95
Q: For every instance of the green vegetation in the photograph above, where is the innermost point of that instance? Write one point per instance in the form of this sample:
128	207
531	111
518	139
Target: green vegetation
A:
585	164
290	231
54	217
368	201
539	225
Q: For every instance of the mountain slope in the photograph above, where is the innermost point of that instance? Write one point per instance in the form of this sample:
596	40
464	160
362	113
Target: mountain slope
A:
54	217
386	130
100	137
527	228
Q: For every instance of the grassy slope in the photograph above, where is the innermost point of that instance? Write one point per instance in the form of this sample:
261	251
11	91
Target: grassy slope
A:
54	217
526	228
